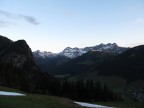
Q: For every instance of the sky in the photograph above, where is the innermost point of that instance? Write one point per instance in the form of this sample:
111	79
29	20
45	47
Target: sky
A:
52	25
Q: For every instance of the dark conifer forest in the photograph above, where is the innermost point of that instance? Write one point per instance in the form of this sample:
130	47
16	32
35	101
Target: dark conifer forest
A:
43	83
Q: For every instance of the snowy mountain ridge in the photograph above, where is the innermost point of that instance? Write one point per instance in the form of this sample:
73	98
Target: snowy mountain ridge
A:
72	52
76	52
44	54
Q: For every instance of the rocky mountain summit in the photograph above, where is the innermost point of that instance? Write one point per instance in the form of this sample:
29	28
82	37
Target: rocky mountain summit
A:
76	52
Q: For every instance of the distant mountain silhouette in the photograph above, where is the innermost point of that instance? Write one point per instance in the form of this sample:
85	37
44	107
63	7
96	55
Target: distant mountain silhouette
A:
129	64
48	60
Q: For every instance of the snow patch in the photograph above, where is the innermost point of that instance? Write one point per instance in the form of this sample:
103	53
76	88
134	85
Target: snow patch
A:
11	93
91	105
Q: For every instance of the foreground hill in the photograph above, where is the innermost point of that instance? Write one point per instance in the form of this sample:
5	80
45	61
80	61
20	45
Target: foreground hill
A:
34	101
45	101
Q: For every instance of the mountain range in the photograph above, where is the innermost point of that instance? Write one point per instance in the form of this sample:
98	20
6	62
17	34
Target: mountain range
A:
49	60
76	52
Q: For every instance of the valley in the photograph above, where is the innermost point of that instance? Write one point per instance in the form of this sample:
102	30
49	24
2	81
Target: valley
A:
71	53
94	76
122	72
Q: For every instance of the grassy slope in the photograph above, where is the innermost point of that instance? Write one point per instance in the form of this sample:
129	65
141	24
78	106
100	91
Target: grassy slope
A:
43	101
34	101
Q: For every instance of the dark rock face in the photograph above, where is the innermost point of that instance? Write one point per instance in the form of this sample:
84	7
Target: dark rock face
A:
16	53
4	41
17	66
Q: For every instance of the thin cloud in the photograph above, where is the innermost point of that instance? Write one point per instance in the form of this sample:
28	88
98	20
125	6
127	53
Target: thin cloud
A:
139	21
5	23
4	13
29	19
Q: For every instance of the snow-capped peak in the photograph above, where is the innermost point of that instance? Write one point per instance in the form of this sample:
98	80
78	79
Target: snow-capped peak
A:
107	46
72	52
75	52
44	54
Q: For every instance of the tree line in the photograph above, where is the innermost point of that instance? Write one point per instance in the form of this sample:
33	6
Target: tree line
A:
79	90
43	83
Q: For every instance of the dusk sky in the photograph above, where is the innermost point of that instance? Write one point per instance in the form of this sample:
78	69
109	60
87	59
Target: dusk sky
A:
52	25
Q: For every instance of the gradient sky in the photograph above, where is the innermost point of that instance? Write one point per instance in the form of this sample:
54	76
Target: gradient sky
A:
52	25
